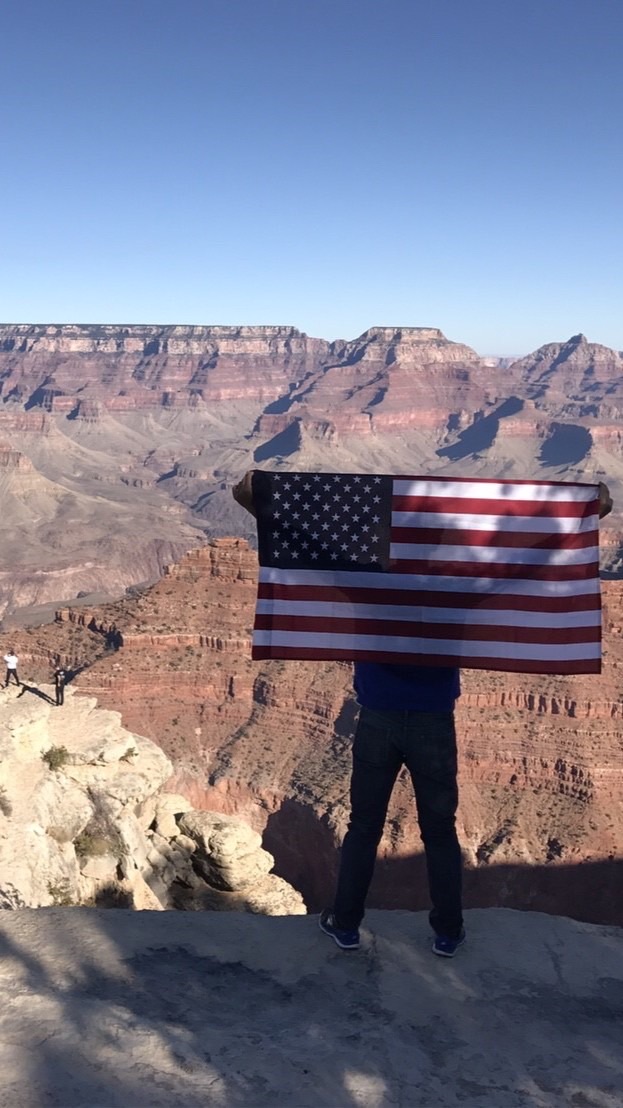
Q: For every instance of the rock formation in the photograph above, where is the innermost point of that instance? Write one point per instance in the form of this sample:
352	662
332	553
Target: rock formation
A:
86	819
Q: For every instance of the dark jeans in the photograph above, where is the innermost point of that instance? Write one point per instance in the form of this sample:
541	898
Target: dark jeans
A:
9	674
426	743
60	695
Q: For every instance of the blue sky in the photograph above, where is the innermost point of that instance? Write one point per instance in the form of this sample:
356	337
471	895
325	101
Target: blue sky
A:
330	164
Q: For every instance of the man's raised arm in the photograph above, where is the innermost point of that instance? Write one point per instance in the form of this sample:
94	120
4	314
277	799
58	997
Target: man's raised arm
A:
605	500
243	492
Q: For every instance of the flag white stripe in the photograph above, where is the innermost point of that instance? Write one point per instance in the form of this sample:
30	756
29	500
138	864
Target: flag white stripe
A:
493	490
542	652
490	586
436	552
470	522
384	612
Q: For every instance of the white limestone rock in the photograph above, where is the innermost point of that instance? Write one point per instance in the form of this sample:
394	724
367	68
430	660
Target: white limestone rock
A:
169	806
89	795
82	820
185	843
229	854
101	870
145	812
144	899
220	837
272	896
62	809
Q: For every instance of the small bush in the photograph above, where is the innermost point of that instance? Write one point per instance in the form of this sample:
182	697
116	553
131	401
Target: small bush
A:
88	844
56	757
99	837
5	804
109	896
130	753
61	896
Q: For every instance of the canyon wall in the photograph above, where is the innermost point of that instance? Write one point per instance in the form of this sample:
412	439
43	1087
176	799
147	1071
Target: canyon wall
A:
72	370
120	443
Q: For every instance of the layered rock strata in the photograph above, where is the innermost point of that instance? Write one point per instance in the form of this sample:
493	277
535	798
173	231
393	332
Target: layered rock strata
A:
70	370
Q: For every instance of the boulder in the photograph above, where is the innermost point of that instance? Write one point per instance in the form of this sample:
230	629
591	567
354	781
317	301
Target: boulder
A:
229	854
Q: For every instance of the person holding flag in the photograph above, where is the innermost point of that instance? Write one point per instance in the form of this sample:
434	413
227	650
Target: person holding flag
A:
312	556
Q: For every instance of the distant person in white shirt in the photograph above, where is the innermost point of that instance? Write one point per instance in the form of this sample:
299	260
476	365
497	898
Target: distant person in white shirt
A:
11	668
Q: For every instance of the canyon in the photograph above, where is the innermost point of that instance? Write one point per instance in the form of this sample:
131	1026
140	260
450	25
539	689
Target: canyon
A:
269	742
119	444
124	555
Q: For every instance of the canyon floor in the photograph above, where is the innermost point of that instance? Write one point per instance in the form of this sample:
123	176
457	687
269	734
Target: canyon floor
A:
540	758
186	1010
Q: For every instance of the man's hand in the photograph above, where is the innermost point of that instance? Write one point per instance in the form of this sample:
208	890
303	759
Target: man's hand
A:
243	492
605	500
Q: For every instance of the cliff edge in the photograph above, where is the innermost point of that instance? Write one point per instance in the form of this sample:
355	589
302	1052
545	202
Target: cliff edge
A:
120	1008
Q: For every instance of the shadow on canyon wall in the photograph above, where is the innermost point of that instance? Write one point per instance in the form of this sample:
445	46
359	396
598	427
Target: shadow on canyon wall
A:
306	856
567	444
482	433
282	445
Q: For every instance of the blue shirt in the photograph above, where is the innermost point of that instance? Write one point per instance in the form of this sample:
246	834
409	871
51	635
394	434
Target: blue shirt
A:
406	688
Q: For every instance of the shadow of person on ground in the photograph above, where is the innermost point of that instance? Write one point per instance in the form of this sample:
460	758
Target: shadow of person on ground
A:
35	692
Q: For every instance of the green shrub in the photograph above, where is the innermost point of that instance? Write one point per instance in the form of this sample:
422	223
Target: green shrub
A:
56	757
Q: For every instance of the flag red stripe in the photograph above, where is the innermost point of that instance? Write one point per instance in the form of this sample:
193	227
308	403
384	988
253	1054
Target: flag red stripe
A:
447	505
530	540
453	632
583	572
512	665
329	594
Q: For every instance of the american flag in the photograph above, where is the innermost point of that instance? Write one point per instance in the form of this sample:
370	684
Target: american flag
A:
428	571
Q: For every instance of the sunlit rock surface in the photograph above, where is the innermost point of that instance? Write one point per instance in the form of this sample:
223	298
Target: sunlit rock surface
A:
85	819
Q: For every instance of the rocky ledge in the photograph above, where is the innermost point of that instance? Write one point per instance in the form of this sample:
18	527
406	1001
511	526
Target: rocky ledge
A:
85	819
187	1010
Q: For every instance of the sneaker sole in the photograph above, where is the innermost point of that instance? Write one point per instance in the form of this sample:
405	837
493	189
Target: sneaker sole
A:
342	946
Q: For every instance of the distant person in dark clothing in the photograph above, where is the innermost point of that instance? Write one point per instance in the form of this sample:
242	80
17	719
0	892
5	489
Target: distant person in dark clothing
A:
60	680
11	661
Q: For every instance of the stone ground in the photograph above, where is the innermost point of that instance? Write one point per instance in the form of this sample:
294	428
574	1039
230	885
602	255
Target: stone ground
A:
118	1009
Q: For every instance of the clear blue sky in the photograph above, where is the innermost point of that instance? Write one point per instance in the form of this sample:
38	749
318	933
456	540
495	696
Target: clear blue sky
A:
331	164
